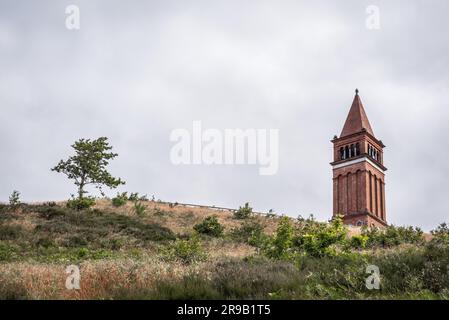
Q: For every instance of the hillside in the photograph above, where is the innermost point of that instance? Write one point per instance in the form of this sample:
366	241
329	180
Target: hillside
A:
154	252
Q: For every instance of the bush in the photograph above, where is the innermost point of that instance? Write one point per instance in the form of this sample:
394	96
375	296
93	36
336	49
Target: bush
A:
210	226
120	199
14	199
139	208
134	196
250	232
186	251
358	241
441	234
393	236
320	239
80	204
8	251
308	238
243	212
8	232
50	212
45	242
280	246
414	269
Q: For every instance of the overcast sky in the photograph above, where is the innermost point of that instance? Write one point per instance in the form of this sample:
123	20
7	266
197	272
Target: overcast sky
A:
136	70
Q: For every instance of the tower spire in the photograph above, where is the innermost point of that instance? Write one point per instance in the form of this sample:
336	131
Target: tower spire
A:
357	119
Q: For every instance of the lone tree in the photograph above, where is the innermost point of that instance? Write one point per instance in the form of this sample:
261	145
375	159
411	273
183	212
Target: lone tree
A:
88	165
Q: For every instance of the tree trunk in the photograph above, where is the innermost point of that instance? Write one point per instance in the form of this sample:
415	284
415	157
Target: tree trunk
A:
81	189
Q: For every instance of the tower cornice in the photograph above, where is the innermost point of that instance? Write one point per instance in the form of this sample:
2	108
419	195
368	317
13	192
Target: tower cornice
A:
362	132
358	159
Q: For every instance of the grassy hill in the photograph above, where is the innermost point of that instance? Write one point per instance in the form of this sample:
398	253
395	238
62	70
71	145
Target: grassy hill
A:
167	251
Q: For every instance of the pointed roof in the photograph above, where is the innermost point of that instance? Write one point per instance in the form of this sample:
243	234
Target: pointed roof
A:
357	119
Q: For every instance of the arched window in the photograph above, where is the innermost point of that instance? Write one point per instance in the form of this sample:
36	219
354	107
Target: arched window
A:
346	152
357	149
342	153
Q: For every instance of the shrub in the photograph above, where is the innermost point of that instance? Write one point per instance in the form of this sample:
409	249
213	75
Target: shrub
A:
8	232
280	246
441	234
393	236
8	251
243	212
436	269
120	199
250	232
14	199
134	196
414	269
80	204
210	226
320	239
45	242
50	212
139	208
358	241
186	251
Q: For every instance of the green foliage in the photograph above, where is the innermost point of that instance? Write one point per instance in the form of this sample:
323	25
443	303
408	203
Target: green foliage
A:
186	251
250	232
392	236
243	212
441	234
308	237
50	212
80	204
210	226
8	251
139	208
88	165
120	199
280	246
134	196
320	239
123	197
14	199
358	241
414	268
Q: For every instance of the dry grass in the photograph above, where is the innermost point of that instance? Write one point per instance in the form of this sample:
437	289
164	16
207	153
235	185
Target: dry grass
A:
99	279
181	219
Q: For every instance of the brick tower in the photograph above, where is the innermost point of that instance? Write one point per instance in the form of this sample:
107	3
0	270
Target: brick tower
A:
358	171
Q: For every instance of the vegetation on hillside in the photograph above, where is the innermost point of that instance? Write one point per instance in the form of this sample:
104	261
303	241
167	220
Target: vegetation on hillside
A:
171	252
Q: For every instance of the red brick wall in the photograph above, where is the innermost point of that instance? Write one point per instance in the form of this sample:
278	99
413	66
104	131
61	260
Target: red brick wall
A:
359	189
